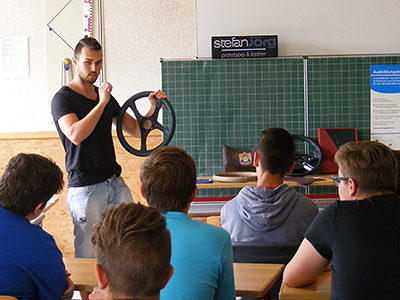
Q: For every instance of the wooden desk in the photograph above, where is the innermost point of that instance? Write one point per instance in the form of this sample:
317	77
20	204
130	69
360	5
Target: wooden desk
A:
251	280
82	272
327	181
255	280
319	290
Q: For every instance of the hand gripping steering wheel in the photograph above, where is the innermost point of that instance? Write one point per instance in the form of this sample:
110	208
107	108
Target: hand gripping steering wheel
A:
308	162
168	132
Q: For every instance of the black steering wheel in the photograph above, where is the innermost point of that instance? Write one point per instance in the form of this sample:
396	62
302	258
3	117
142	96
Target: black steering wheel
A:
143	121
310	160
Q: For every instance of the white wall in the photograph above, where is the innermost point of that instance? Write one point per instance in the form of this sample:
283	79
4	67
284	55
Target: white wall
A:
137	34
23	102
67	23
306	27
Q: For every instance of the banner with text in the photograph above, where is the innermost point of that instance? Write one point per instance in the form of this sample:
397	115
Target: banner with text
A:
385	104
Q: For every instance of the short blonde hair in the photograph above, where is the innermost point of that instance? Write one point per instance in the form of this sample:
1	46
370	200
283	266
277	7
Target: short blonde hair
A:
133	246
372	165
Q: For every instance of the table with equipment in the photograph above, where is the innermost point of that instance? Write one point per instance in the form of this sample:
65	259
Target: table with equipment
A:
315	180
204	207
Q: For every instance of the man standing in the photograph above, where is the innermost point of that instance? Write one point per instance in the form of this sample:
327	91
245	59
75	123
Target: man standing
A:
31	265
359	237
83	115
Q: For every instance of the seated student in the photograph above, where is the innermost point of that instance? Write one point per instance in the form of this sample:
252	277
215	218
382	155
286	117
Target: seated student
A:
201	253
31	266
271	212
360	237
133	250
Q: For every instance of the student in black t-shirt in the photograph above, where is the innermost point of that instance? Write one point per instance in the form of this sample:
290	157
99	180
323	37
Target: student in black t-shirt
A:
83	115
360	237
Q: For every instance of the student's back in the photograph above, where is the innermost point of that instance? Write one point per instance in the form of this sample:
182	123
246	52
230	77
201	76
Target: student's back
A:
202	260
359	235
261	214
361	240
271	212
201	253
31	265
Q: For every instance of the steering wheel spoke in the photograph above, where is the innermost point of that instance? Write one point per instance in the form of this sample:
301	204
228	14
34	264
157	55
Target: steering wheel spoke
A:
153	119
159	126
137	114
154	116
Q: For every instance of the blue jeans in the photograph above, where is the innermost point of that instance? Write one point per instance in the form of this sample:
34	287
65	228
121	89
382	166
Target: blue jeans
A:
86	204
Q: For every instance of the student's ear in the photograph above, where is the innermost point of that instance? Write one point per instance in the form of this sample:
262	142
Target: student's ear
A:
194	194
37	211
291	168
353	189
256	162
142	192
171	271
101	276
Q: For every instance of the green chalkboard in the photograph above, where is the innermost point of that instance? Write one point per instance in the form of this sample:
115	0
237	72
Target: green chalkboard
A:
229	102
339	92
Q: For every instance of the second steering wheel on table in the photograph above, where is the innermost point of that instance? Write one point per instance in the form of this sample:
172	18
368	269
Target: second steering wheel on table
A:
310	160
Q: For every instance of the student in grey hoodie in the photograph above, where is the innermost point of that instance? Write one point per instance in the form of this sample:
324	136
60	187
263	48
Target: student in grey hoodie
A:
272	211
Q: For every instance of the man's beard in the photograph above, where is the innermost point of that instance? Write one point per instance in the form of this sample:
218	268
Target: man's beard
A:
88	78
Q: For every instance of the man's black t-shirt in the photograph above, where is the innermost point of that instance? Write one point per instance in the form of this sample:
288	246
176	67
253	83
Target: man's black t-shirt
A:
361	240
93	160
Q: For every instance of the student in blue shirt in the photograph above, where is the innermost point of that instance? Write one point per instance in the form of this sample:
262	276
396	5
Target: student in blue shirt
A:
201	253
31	265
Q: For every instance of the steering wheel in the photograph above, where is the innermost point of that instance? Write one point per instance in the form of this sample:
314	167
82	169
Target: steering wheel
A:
143	122
308	162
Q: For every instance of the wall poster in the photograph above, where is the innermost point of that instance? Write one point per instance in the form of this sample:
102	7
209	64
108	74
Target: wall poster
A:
385	104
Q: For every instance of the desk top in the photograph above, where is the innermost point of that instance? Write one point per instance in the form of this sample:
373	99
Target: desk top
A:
251	280
319	290
326	181
255	280
82	272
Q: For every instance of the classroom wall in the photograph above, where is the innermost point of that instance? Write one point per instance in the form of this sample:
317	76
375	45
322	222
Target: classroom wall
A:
136	35
23	102
307	27
139	33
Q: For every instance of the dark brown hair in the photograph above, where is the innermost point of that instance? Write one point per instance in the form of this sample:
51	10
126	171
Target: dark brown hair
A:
89	42
277	149
28	180
372	165
133	246
169	179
